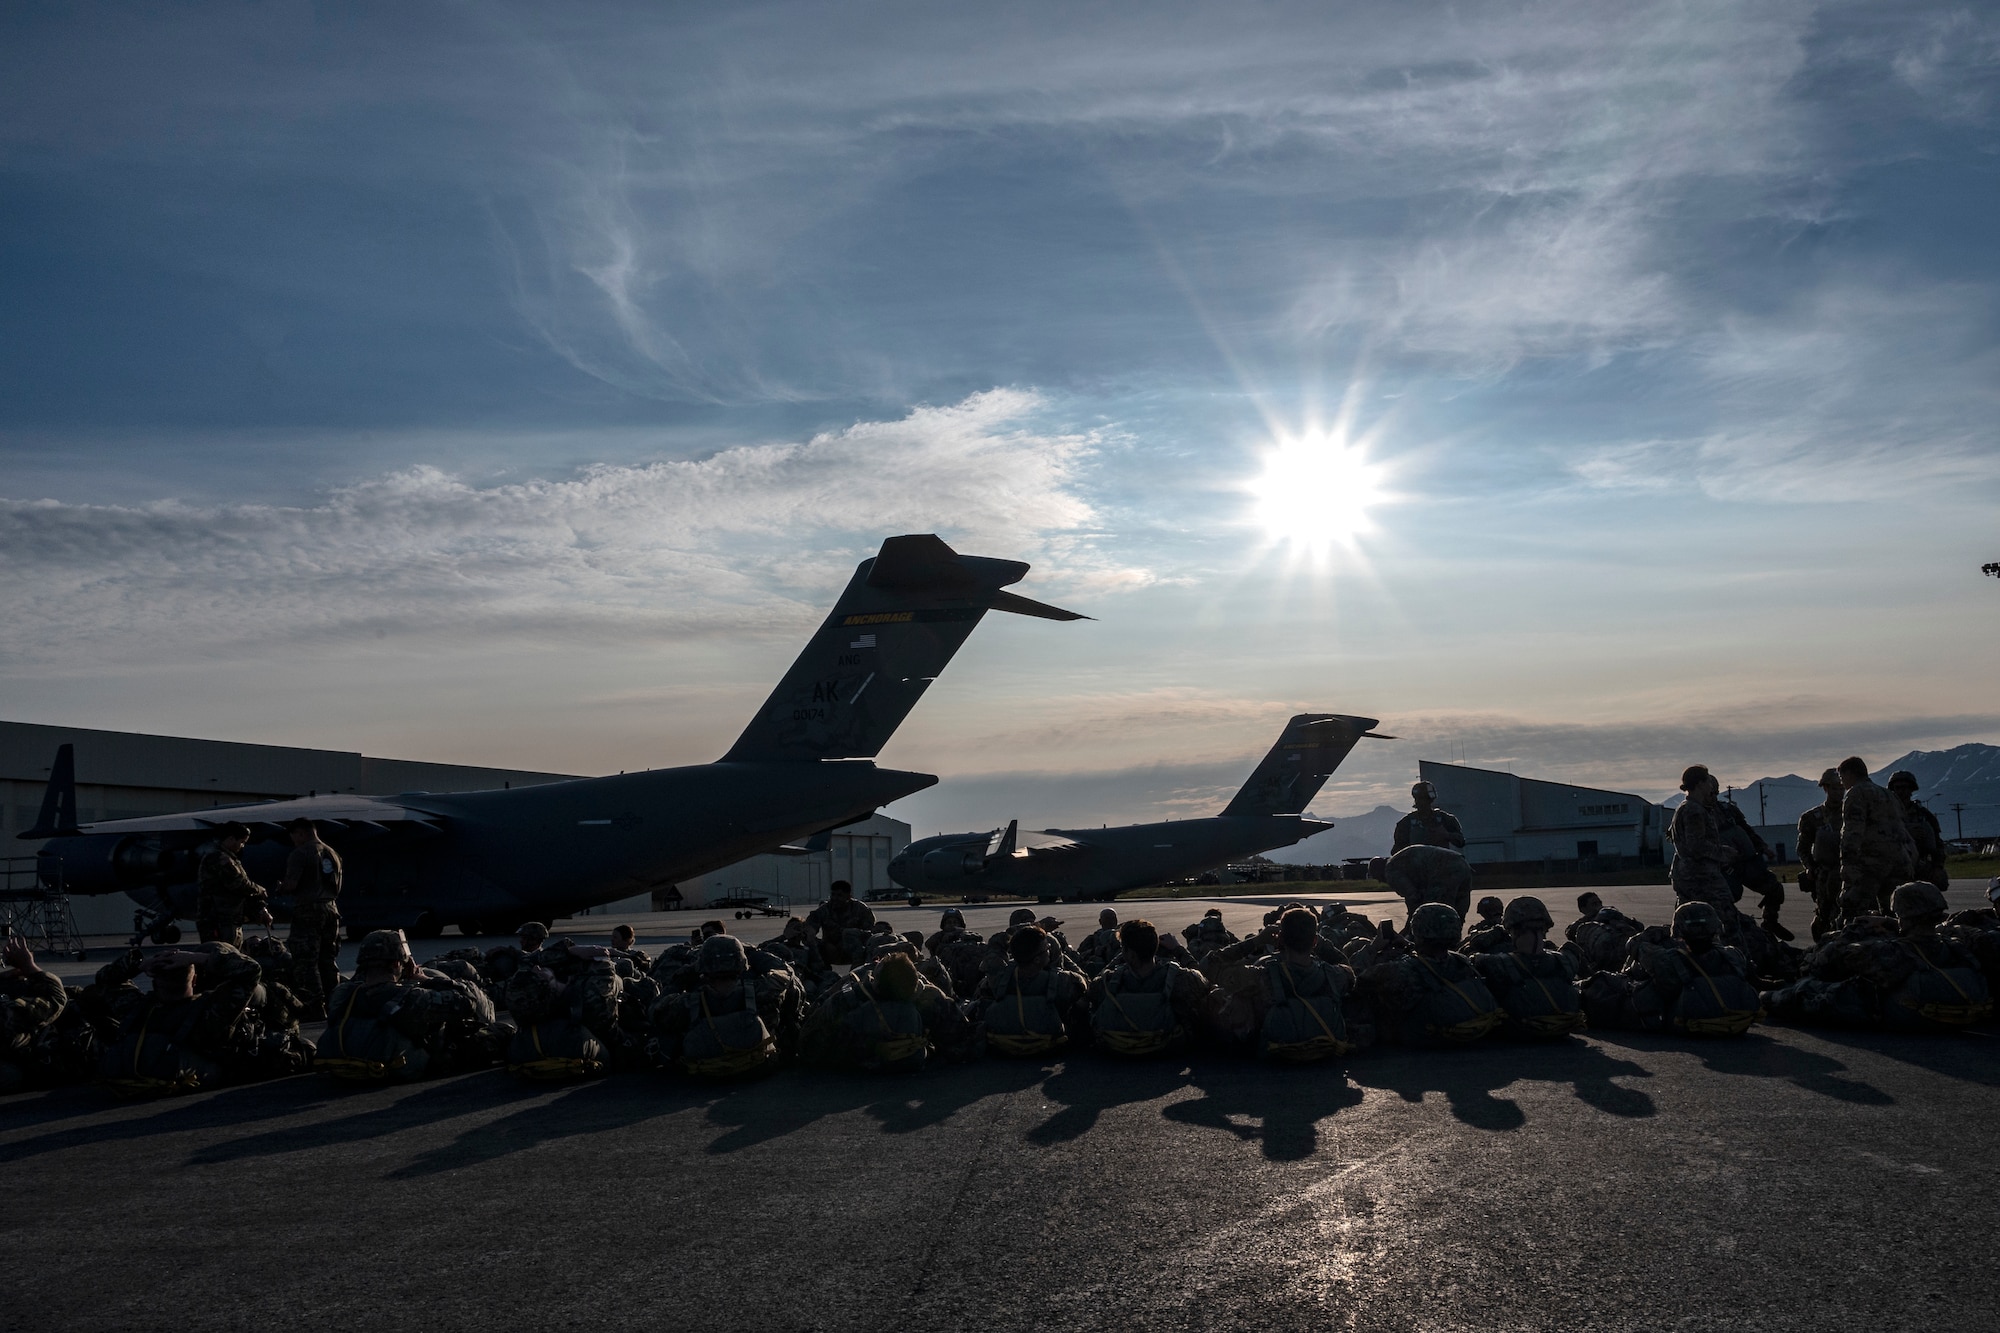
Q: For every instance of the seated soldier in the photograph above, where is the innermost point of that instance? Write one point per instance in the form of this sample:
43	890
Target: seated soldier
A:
960	951
1142	1006
884	1017
1687	981
1419	992
394	1022
1535	984
1060	943
1339	927
31	1001
1208	934
1916	979
1103	947
929	968
567	1011
1030	1006
736	1023
195	1029
625	942
1599	939
841	925
1489	933
1977	930
504	960
1303	1016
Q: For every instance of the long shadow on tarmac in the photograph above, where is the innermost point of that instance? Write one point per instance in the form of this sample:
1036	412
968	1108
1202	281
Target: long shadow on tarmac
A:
1469	1078
1971	1056
1279	1108
591	1108
377	1113
216	1110
1086	1088
901	1102
1755	1055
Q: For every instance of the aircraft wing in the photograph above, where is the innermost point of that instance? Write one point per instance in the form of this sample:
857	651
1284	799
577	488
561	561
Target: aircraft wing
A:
1033	845
362	814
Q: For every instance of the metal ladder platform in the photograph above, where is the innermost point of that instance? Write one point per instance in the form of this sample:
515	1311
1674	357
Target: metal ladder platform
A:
36	909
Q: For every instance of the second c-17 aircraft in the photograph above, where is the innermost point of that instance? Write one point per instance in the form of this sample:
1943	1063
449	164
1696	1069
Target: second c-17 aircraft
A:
486	860
1071	865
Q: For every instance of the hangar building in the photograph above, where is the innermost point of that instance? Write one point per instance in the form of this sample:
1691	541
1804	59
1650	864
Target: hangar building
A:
1511	818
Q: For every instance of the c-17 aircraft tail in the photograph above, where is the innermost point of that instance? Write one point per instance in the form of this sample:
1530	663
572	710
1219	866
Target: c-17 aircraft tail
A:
902	616
1312	746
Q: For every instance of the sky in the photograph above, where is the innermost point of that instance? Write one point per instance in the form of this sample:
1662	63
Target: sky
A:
1579	389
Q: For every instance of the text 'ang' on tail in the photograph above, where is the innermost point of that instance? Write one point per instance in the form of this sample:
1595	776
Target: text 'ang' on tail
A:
903	615
1312	746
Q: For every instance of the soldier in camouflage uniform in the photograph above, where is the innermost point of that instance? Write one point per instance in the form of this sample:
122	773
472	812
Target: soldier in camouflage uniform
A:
841	924
1685	981
802	955
625	942
884	1016
1033	1005
1819	857
1207	935
1534	983
1418	991
1142	1006
227	896
396	1022
1912	978
1751	868
197	1028
312	881
1489	933
1876	853
736	1022
31	1001
1422	873
567	1004
1427	826
1101	948
1597	939
1926	836
1700	849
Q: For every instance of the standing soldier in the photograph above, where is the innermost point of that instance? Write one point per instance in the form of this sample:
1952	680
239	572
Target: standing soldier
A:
1875	847
1819	857
1700	850
1925	833
1427	826
226	896
312	879
842	925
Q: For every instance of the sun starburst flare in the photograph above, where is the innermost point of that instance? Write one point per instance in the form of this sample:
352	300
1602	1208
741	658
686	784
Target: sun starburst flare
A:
1315	493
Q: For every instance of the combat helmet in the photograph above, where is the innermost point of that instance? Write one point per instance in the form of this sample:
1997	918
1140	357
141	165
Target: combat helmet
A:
1021	916
533	930
380	950
1488	907
1524	912
1917	902
721	956
952	916
1434	923
1697	921
1901	778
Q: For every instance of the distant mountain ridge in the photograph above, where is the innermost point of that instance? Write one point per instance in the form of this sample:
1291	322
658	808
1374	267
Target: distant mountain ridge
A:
1371	834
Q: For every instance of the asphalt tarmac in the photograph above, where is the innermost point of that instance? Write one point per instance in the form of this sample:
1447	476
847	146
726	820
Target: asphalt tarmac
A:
1783	1180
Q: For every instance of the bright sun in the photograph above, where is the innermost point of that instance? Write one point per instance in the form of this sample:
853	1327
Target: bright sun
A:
1316	492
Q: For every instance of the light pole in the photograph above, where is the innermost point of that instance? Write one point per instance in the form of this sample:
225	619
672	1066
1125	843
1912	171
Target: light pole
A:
1958	808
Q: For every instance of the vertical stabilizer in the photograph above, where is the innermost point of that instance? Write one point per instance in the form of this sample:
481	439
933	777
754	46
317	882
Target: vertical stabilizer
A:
58	816
902	616
1312	746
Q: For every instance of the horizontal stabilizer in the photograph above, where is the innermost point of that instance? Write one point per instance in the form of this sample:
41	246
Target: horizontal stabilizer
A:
1312	746
898	623
58	816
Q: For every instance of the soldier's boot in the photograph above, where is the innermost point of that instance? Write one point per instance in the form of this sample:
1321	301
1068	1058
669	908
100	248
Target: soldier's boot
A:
1771	924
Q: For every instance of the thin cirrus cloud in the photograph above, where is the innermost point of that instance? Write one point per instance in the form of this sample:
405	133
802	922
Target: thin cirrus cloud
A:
617	551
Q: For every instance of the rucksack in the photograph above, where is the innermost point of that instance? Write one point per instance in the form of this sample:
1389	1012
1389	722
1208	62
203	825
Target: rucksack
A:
556	1050
1456	1011
891	1032
728	1045
1299	1028
360	1046
152	1059
1937	997
1536	1006
1718	1003
1137	1022
1023	1024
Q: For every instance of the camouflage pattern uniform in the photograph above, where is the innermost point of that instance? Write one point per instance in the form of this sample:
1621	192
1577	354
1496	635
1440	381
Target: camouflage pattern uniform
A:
169	1045
1188	993
1100	950
1538	990
1422	873
842	926
1700	853
434	1024
1680	978
1875	850
226	895
1926	834
1427	828
1422	993
775	994
1207	935
559	989
1819	862
314	942
1914	978
30	1004
830	1040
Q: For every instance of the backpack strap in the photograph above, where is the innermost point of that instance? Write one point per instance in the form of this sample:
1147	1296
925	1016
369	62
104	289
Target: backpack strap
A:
1291	984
